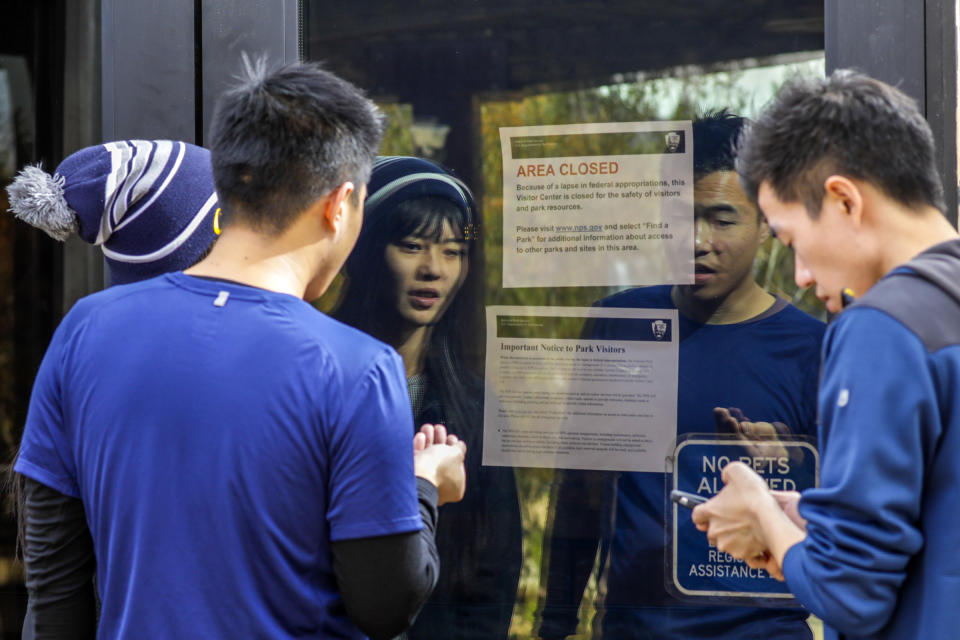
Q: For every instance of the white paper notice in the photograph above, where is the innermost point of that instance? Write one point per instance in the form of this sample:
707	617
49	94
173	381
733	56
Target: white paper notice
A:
557	398
606	204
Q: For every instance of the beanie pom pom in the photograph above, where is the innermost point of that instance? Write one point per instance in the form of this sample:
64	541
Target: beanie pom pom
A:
37	198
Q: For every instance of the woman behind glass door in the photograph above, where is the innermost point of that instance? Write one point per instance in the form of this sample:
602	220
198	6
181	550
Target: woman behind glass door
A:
403	281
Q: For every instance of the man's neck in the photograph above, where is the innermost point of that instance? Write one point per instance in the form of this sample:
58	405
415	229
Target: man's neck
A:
910	234
251	258
746	302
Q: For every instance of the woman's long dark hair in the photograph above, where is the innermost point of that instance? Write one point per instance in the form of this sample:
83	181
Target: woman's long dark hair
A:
366	294
12	484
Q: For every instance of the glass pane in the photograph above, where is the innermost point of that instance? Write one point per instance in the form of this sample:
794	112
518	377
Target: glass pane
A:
49	86
17	148
589	349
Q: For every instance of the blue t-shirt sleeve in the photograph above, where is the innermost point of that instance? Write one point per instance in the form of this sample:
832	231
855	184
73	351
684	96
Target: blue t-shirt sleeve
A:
45	451
373	491
876	395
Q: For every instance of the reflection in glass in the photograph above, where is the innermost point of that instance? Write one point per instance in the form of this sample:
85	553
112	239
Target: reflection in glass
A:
743	87
480	66
679	94
740	347
17	148
404	281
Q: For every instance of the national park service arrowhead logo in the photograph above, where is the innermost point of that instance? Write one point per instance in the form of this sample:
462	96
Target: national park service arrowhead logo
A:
659	329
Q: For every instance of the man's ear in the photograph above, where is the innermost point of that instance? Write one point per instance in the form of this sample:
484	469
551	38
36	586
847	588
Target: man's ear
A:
843	196
764	229
335	206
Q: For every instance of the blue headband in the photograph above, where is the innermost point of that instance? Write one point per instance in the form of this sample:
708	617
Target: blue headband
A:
398	178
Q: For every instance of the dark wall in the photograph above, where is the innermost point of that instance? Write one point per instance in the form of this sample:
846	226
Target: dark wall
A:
166	61
912	45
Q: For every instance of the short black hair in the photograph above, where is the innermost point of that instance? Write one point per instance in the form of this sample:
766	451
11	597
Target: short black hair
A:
284	136
715	136
846	124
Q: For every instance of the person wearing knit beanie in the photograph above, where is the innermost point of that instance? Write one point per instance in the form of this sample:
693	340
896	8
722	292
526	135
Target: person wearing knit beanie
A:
150	205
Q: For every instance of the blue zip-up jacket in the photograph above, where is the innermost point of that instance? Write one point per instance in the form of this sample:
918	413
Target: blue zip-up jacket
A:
882	553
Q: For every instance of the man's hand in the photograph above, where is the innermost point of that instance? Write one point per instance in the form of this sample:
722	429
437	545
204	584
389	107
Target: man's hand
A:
438	457
732	420
730	521
789	502
750	522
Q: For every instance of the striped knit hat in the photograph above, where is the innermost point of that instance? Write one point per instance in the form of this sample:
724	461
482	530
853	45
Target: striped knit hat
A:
149	204
398	178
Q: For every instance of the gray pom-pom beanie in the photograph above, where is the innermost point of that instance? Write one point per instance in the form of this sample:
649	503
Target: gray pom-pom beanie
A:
149	204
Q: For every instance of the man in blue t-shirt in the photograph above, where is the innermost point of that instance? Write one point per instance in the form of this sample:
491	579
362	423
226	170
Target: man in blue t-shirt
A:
232	463
873	549
739	347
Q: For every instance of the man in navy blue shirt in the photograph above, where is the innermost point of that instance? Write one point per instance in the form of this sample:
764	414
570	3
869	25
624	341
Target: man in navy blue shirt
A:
739	347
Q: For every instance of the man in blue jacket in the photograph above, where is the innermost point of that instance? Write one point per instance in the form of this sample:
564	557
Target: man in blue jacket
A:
844	172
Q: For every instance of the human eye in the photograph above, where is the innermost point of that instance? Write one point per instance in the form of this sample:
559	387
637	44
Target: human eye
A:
722	215
410	245
724	222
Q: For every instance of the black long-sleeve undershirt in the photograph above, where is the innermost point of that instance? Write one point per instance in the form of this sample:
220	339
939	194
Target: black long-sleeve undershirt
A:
383	580
59	560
